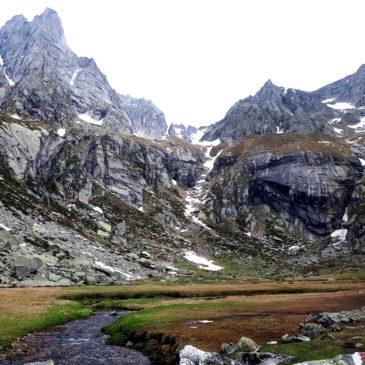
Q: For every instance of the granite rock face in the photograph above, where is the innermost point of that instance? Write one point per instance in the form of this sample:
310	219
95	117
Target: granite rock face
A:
309	188
127	166
46	81
148	120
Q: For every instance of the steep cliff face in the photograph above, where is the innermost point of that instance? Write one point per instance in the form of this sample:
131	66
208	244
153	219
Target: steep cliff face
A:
148	120
126	165
306	180
46	81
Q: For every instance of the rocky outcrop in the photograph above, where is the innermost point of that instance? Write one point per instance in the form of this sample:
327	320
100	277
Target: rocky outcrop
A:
306	180
126	165
46	81
182	131
191	355
347	359
148	120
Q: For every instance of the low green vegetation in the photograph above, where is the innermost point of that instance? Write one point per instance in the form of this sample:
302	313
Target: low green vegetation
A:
306	351
134	304
252	308
13	327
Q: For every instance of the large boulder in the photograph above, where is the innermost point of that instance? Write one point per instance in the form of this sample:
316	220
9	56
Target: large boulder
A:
26	265
245	344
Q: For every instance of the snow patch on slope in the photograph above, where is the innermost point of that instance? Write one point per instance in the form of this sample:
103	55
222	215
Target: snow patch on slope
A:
87	119
112	269
73	78
361	124
10	81
2	226
340	234
341	106
61	132
203	263
330	100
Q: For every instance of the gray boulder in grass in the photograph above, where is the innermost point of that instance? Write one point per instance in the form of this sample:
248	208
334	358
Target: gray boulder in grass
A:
245	344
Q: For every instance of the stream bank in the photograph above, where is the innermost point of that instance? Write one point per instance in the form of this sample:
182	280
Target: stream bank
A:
74	343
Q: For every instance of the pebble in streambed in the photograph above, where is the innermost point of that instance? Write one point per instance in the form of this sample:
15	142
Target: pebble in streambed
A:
79	342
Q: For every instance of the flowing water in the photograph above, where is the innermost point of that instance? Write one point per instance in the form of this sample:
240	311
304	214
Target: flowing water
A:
79	342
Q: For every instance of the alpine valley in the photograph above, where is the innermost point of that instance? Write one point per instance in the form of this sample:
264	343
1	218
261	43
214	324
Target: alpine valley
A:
96	188
125	239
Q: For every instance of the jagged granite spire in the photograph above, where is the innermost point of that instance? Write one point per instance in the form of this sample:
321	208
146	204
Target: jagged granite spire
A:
48	82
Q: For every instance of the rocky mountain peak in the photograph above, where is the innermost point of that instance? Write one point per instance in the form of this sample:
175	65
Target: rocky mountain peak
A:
49	24
16	20
361	69
182	131
269	89
46	81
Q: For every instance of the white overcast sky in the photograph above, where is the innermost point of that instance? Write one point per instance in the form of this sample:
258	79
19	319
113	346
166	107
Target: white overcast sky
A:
195	58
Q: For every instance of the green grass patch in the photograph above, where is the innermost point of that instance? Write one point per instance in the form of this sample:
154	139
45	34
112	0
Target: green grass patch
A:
167	314
123	304
306	351
18	326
